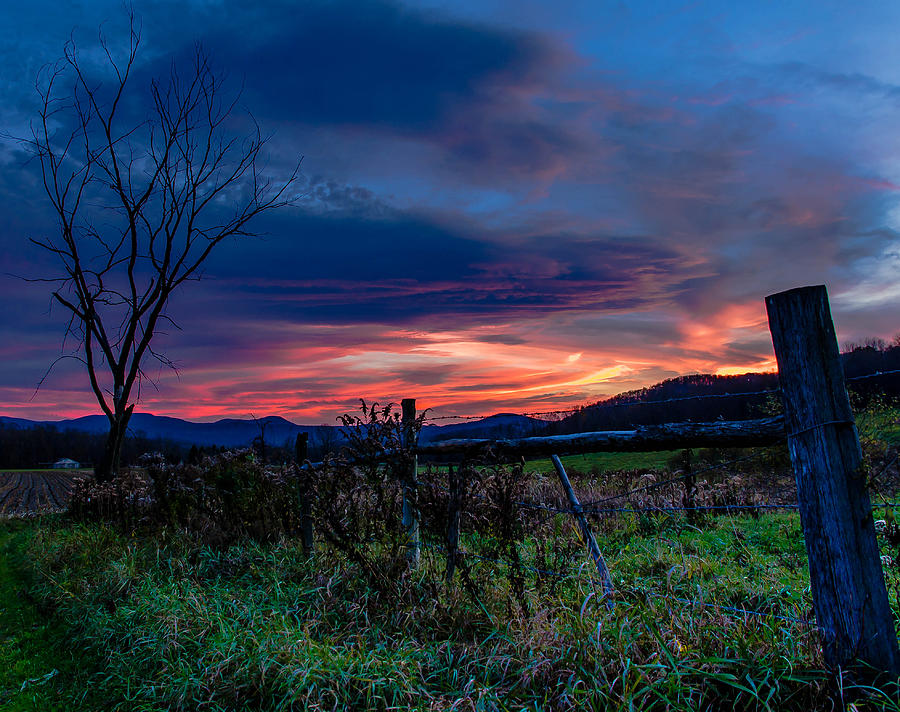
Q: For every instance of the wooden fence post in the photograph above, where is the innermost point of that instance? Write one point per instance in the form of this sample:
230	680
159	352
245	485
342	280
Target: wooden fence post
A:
605	578
301	449
410	504
848	588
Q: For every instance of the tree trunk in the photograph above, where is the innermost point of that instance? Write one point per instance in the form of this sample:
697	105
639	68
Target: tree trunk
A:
108	467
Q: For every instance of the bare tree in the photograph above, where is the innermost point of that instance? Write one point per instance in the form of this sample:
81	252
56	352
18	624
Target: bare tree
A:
145	183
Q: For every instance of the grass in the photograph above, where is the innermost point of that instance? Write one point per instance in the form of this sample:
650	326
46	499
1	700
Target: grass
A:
39	667
880	423
181	626
165	623
602	461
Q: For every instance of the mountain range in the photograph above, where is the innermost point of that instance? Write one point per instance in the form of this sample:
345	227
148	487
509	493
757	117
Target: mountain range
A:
234	432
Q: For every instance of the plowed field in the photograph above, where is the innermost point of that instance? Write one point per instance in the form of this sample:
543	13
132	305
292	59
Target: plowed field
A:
27	492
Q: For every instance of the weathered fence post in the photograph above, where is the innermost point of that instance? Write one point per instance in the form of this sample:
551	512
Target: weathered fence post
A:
410	504
301	449
605	578
456	484
848	589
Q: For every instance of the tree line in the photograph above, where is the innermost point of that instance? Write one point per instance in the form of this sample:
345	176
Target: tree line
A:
42	445
660	403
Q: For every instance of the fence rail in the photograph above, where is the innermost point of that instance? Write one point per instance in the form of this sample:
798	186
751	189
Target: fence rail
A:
645	438
835	510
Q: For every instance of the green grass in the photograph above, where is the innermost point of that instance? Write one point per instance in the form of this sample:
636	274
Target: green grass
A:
159	623
40	669
881	423
180	626
600	461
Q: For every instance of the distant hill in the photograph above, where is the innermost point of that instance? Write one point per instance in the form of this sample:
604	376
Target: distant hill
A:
228	432
233	432
501	425
698	398
871	371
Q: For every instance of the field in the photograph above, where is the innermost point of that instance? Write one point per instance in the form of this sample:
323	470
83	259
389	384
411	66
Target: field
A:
600	461
712	609
32	491
181	626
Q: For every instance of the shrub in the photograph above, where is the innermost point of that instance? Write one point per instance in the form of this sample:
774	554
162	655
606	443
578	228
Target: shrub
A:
225	497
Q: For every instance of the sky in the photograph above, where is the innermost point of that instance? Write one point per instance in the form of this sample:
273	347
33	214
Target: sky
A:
504	206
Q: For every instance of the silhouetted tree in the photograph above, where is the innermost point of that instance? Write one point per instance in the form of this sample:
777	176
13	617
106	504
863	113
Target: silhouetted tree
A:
142	198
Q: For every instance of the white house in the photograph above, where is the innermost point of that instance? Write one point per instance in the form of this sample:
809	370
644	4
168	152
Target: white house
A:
66	464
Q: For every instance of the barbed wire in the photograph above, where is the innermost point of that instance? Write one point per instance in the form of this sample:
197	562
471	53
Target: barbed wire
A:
623	404
605	405
701	396
586	509
873	375
458	417
734	610
698	508
485	417
553	412
671	480
590	507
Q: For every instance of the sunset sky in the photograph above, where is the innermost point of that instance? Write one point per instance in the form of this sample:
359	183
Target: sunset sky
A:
507	205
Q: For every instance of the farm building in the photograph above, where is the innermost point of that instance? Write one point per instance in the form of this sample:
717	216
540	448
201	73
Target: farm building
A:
65	463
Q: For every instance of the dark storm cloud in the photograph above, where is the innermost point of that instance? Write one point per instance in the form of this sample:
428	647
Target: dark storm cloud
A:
400	266
355	248
379	69
372	63
559	185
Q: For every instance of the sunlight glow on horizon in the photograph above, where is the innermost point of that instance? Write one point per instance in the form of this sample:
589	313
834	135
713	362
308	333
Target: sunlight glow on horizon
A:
448	372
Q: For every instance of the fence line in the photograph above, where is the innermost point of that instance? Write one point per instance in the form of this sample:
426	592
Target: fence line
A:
873	375
605	405
643	438
733	610
846	579
671	480
590	507
699	508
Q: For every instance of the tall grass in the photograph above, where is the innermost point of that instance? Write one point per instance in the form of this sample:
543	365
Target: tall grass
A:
260	626
193	608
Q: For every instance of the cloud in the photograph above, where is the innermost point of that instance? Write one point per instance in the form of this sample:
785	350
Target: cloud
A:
486	198
414	266
375	63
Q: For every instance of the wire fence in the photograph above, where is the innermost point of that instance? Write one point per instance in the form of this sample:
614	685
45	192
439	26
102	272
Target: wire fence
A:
592	508
734	611
606	405
639	501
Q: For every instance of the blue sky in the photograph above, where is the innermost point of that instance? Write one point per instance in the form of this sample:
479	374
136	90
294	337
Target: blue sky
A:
505	205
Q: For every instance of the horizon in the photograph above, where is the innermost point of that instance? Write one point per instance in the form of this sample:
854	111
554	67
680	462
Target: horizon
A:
505	206
435	416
